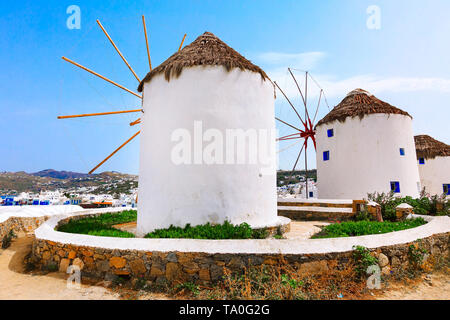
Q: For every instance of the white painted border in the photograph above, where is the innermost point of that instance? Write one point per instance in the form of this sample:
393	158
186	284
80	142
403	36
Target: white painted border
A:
268	246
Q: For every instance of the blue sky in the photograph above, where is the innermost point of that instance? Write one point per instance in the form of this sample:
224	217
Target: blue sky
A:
405	62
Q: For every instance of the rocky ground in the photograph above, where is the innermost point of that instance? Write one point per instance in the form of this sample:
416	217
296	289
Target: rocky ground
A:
15	283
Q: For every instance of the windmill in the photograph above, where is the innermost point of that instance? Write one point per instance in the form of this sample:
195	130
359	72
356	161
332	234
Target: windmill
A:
306	128
135	110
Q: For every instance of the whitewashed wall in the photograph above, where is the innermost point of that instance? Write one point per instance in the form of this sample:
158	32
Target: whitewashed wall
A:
365	157
171	194
434	173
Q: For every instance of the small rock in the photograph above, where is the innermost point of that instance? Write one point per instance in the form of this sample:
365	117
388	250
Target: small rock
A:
117	262
64	265
72	255
382	260
78	262
172	257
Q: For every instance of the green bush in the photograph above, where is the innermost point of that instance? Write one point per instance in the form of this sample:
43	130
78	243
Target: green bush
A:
101	225
363	259
425	205
359	228
210	231
6	241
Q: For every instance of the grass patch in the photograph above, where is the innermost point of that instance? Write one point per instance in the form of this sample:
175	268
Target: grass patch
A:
101	225
210	231
360	228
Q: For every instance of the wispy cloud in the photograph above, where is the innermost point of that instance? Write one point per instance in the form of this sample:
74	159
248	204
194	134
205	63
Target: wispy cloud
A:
335	87
276	64
304	60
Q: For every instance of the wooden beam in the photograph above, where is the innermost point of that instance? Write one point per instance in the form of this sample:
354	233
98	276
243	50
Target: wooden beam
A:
98	114
137	121
100	76
146	42
115	151
118	51
182	41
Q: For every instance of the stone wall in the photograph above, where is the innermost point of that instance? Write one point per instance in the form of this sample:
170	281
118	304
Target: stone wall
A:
298	215
200	267
20	224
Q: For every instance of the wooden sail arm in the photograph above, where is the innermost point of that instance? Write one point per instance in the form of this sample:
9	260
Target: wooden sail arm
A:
118	51
182	41
114	152
135	122
146	42
98	114
101	77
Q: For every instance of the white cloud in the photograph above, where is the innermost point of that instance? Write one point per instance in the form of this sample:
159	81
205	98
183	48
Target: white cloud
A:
335	87
304	61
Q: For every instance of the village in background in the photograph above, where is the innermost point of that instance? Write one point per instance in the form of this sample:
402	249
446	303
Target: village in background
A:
108	189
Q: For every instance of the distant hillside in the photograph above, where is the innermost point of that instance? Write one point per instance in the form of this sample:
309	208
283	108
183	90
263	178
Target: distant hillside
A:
48	180
59	174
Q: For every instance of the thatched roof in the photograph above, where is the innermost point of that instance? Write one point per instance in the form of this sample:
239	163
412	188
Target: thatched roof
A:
359	103
206	50
429	148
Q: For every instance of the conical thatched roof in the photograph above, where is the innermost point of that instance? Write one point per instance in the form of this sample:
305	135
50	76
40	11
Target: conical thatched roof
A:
359	103
205	50
429	148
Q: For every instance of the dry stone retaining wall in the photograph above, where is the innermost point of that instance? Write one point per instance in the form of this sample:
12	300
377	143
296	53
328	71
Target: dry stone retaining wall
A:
20	224
177	267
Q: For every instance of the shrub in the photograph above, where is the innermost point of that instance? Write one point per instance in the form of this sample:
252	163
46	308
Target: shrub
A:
359	228
425	205
363	259
416	255
101	225
6	241
210	231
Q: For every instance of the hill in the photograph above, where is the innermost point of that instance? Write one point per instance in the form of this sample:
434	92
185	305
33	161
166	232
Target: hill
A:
67	181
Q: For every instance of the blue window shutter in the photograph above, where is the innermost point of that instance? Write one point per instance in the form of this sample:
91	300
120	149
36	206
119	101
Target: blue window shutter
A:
330	133
326	155
402	151
446	188
421	160
395	186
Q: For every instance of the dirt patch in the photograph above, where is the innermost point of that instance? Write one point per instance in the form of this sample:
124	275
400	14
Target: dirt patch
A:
427	287
16	284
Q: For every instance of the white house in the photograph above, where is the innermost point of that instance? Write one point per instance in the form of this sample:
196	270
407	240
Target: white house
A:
365	145
196	105
433	158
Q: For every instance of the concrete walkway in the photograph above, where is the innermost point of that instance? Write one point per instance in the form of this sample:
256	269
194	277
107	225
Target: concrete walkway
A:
302	230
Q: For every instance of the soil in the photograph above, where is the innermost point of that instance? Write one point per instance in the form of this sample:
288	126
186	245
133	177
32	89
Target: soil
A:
434	286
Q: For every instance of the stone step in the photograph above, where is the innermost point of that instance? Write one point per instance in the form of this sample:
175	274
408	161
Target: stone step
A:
314	213
316	203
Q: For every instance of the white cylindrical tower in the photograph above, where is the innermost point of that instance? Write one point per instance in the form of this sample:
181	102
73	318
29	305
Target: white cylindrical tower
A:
208	113
433	158
365	145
